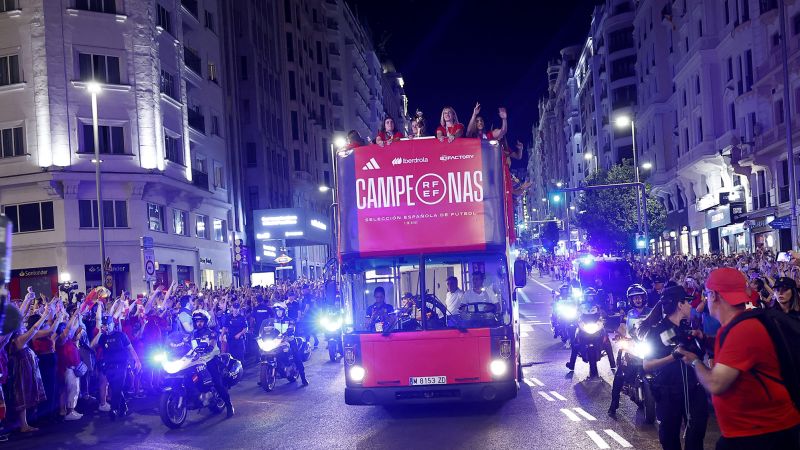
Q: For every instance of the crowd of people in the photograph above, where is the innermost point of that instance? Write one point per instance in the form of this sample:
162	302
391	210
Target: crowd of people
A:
76	352
717	326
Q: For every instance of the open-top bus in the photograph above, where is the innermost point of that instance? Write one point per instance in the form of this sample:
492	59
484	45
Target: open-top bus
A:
411	218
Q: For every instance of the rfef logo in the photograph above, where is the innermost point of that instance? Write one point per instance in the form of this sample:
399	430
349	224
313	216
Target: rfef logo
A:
371	165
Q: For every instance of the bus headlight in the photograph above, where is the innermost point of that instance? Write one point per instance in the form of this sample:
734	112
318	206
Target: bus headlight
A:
498	367
357	374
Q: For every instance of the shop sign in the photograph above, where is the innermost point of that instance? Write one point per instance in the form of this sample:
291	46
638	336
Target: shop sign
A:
206	261
718	217
738	212
115	268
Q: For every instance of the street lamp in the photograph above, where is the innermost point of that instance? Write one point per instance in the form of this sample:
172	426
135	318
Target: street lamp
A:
647	166
588	156
324	188
559	184
340	142
94	88
624	121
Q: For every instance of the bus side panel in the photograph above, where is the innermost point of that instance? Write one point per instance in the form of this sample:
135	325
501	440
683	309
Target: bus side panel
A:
462	357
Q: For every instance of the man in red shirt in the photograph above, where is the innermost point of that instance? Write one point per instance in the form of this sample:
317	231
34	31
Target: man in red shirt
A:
753	411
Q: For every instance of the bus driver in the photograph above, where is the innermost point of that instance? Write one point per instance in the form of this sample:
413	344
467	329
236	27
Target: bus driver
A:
478	294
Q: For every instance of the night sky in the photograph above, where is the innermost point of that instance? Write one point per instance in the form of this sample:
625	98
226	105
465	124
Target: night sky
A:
459	52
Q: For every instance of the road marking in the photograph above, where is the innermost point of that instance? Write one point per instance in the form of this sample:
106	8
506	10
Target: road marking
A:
584	414
536	380
571	415
558	396
546	397
597	439
618	438
524	327
524	296
523	334
549	289
529	382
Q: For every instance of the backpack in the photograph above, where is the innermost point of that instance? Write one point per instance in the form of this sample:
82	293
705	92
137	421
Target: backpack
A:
784	331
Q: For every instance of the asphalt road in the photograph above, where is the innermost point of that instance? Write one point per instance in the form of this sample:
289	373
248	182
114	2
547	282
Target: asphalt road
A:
554	410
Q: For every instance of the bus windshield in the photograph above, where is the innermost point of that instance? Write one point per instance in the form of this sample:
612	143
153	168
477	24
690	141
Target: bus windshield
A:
461	291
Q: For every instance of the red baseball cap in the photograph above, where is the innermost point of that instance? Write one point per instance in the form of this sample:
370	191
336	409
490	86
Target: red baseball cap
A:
731	283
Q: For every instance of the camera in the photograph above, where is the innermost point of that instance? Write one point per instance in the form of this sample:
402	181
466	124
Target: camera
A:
68	287
684	339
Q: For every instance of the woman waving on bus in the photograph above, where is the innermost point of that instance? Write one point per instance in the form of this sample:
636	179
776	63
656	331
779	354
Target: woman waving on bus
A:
388	133
450	128
477	127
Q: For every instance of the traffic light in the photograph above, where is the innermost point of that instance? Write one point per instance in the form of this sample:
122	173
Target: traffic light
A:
641	241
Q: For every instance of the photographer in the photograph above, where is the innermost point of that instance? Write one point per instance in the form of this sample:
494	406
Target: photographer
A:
753	406
678	394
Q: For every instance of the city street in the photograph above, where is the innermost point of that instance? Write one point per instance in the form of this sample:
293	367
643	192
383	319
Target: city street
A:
553	410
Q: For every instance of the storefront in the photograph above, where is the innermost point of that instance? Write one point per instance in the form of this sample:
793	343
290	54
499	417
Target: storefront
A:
43	280
735	239
303	235
120	277
185	274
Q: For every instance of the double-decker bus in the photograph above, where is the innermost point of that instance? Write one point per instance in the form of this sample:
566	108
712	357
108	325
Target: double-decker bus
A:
430	309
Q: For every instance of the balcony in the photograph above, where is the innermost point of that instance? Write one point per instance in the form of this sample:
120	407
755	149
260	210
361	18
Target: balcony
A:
192	61
196	119
200	179
191	6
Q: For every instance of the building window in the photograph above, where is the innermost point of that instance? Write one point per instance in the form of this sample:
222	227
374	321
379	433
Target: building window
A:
745	10
155	217
29	217
102	6
163	18
101	68
289	47
295	126
699	130
243	67
219	176
697	85
252	157
727	13
796	24
779	112
767	5
732	118
173	149
201	227
292	86
748	57
215	126
297	159
180	222
209	22
730	69
287	10
112	140
219	230
321	83
212	72
9	70
168	85
115	214
12	142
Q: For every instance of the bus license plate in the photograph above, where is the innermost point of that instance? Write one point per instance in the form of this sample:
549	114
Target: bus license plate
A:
424	381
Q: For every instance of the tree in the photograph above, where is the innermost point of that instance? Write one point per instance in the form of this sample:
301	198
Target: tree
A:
549	236
609	215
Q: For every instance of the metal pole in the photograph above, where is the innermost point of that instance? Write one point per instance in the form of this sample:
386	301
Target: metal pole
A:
788	123
566	222
100	224
636	171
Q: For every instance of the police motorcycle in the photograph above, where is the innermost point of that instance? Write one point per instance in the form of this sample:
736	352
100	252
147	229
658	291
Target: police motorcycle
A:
277	360
331	323
591	340
188	384
636	383
564	319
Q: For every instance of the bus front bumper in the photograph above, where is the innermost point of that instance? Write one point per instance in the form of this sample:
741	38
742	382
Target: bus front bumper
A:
497	391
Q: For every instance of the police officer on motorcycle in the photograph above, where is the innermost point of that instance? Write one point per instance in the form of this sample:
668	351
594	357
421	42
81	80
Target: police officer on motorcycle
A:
677	392
200	319
287	327
592	304
638	310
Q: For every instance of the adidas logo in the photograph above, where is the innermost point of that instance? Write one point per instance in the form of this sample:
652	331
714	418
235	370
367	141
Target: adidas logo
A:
371	165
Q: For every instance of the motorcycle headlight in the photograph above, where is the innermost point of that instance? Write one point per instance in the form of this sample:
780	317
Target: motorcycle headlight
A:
568	312
160	357
591	327
642	349
577	293
267	345
173	366
331	325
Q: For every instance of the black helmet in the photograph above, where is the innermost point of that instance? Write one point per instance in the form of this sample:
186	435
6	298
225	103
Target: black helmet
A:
636	289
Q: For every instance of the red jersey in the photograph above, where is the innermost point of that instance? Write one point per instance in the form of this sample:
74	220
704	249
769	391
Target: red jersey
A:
752	406
384	136
451	130
486	135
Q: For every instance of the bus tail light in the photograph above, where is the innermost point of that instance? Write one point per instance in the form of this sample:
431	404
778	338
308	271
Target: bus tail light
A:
505	349
349	356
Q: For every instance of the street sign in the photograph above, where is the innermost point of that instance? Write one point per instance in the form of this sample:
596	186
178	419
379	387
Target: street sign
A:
781	223
283	259
149	264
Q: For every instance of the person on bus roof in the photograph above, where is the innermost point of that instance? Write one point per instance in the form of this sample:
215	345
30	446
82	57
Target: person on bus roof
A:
417	126
476	126
388	133
354	140
450	128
